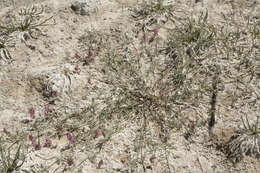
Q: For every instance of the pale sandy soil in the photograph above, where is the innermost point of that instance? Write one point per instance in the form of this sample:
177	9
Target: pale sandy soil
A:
20	89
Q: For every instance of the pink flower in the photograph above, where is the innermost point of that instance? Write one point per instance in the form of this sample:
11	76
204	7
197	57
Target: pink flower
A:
77	69
77	55
191	126
32	139
47	109
70	161
90	53
55	94
59	128
6	132
32	112
97	133
70	138
37	146
89	82
48	142
155	31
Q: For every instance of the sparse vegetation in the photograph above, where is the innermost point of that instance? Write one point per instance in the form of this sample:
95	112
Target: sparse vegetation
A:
28	19
5	56
27	23
245	142
8	161
173	79
149	13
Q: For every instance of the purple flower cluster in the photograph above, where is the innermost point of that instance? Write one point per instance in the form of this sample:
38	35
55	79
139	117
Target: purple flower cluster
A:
70	138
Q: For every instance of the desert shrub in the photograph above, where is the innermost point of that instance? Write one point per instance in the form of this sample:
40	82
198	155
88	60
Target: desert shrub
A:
245	142
27	19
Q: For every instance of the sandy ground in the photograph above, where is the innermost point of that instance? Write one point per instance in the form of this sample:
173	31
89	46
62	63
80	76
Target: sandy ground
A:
20	89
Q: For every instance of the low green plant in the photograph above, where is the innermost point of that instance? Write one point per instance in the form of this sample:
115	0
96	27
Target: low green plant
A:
27	19
245	142
5	56
196	35
10	163
252	129
152	12
3	43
